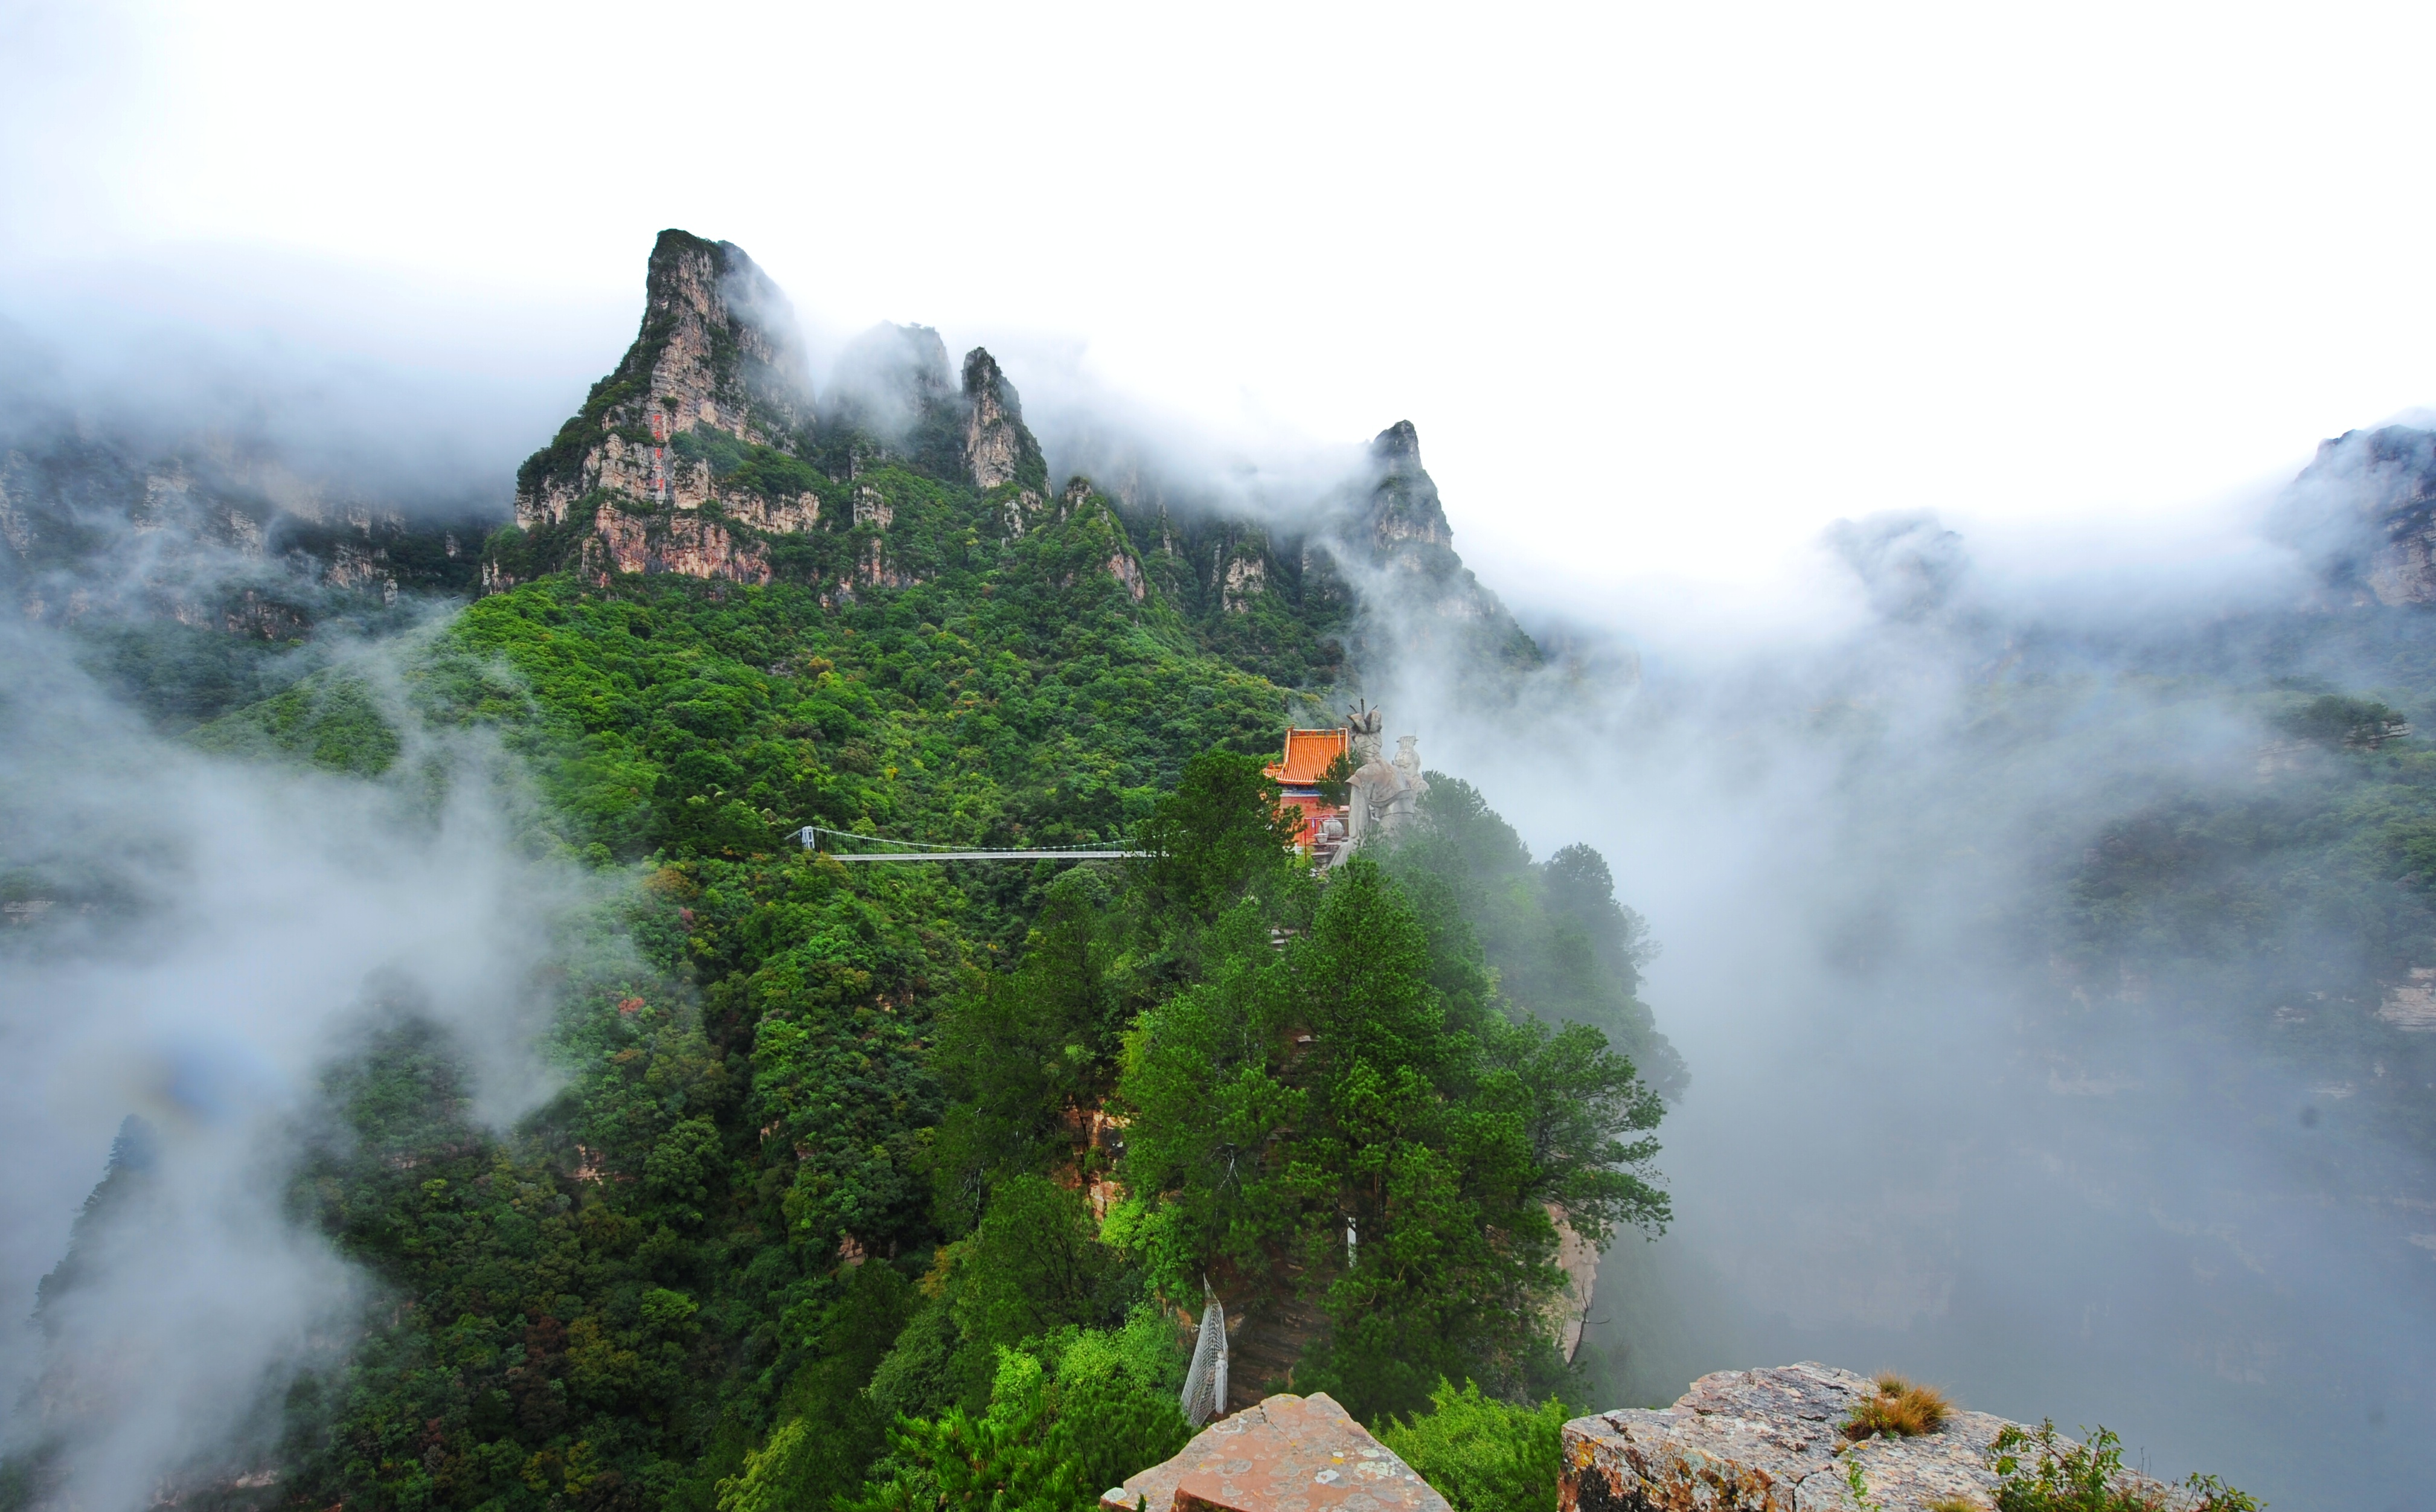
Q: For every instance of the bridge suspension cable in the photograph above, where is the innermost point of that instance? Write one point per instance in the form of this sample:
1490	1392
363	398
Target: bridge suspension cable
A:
928	851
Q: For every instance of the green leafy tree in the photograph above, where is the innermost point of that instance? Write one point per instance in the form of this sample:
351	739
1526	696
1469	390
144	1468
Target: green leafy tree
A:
1033	1263
1017	1456
1564	949
1321	1118
830	1430
1022	1051
1483	1455
1121	1386
1219	835
1072	1412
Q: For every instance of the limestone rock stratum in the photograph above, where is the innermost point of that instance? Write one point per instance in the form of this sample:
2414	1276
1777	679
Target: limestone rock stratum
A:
1286	1454
997	447
1771	1440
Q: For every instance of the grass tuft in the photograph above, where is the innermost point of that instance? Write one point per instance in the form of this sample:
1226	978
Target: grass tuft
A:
1899	1410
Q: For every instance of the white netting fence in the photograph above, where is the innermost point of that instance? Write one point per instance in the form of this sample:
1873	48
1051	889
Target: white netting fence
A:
1205	1384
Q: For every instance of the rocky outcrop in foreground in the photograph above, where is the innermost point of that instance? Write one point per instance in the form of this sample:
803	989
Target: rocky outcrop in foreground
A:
1287	1454
1772	1440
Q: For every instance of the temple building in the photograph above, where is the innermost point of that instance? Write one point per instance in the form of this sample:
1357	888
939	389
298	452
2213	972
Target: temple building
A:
1381	797
1298	774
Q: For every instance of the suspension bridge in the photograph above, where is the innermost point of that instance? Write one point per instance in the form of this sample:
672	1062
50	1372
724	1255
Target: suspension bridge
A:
915	850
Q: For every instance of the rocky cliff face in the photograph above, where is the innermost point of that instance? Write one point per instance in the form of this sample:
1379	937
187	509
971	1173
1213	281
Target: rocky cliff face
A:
1771	1440
208	535
714	375
1403	504
1421	604
997	447
2363	512
706	455
1365	576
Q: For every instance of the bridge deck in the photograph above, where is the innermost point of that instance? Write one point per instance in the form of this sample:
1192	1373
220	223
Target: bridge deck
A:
986	855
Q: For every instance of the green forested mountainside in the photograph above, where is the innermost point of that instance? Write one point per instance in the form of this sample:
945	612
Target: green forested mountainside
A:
190	567
816	1168
704	453
899	1185
824	1156
1020	695
881	1186
2287	917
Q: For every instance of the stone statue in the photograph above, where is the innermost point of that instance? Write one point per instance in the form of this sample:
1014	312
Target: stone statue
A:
1382	797
1364	723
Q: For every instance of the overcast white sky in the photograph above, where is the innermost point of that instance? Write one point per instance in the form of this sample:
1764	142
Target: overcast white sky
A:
1666	287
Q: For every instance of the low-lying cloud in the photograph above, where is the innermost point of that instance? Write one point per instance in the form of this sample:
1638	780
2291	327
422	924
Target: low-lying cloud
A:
1922	1133
193	940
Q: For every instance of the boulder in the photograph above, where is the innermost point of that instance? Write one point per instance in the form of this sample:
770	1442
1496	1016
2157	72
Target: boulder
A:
1286	1454
1772	1440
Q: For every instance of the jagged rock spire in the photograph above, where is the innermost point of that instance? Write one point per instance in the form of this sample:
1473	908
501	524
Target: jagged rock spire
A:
704	286
1397	444
998	447
1403	504
719	346
718	349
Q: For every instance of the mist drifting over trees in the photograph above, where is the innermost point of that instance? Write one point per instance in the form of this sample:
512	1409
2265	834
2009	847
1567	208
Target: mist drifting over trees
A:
1993	964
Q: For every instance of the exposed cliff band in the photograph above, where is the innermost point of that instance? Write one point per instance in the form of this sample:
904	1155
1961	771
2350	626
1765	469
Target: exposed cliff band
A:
705	454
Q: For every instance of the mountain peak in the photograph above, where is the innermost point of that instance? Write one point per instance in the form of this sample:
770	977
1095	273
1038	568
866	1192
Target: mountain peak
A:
718	349
1396	445
722	339
1404	503
998	447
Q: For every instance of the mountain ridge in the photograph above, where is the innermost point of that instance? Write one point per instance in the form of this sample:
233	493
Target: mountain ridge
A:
705	454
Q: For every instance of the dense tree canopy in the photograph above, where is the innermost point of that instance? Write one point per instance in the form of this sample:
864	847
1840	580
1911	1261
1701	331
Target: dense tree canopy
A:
866	1180
1319	1115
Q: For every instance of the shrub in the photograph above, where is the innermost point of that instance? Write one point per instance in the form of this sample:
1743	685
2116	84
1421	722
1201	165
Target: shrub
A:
1482	1455
1017	1457
1119	1385
1899	1410
2069	1477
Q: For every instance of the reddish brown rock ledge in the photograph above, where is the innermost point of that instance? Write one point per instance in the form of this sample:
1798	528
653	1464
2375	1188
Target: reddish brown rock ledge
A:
1287	1454
1770	1441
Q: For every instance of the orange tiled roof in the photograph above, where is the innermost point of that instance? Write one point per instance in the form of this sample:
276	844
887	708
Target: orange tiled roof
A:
1308	754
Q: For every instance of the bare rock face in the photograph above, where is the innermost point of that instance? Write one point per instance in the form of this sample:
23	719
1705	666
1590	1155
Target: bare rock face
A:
2363	512
704	295
718	352
1575	1256
689	545
997	447
1286	1454
1421	599
1244	573
97	528
1404	503
1772	1440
